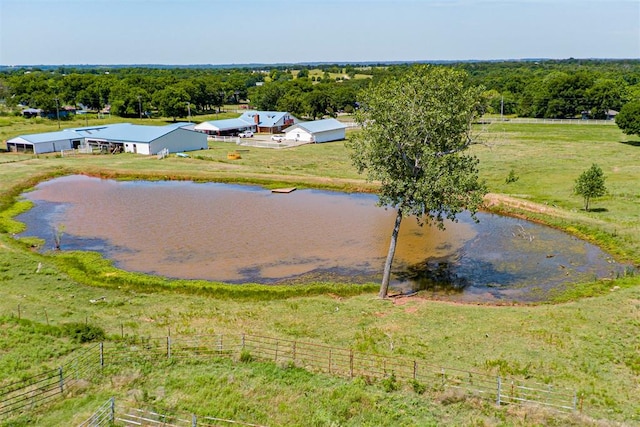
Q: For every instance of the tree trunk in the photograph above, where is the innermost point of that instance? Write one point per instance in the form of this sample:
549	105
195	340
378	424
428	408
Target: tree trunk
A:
384	286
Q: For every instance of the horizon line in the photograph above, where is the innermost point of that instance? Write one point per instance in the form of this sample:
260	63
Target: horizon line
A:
368	62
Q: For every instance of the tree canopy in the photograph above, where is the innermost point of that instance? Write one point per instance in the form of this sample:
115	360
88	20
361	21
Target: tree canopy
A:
628	120
415	129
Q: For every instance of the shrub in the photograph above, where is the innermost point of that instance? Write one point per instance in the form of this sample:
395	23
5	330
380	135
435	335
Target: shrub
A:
390	383
418	387
245	356
82	333
512	177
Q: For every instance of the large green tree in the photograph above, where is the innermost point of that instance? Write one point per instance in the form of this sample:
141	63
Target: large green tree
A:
628	120
415	130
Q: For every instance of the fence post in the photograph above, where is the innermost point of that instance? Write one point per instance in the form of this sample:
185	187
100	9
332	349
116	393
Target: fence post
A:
276	355
499	390
169	347
581	401
444	380
243	341
575	400
351	363
415	370
294	352
112	408
329	360
194	420
102	354
220	344
61	380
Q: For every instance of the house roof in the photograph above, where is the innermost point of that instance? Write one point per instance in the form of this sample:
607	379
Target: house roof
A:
267	118
318	126
38	138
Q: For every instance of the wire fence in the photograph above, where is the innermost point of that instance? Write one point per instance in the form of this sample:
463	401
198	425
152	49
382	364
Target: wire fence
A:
110	413
42	388
525	120
25	395
104	416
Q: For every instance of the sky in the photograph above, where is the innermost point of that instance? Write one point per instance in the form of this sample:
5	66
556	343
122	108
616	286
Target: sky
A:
180	32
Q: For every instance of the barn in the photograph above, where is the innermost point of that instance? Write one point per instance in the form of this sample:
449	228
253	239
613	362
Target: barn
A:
325	130
48	142
140	139
121	137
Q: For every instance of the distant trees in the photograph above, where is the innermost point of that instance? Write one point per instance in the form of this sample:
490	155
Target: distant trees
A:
171	102
303	98
590	184
554	89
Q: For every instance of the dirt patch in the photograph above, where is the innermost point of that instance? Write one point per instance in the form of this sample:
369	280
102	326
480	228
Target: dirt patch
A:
497	200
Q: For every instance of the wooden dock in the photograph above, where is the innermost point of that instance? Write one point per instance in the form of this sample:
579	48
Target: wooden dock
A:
283	190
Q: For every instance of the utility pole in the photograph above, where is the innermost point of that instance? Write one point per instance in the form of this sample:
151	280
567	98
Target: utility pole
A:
139	106
58	112
189	110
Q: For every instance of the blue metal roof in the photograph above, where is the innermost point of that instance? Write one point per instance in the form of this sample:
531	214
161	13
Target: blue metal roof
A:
225	124
38	138
317	126
134	133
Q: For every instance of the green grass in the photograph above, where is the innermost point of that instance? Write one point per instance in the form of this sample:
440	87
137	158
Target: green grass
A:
587	341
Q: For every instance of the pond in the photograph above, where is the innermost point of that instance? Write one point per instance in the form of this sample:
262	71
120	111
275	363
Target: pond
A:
240	234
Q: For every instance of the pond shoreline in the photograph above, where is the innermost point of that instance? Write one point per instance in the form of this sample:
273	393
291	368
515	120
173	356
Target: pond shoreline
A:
498	204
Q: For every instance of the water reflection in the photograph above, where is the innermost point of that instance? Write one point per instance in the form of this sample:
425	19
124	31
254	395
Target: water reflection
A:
242	234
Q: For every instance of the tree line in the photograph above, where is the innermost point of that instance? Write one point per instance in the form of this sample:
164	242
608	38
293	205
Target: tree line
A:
543	89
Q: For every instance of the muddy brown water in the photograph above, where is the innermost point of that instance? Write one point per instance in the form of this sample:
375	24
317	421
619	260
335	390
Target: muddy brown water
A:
241	234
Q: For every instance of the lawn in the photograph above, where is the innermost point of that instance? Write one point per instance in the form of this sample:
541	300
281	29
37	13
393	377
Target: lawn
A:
589	343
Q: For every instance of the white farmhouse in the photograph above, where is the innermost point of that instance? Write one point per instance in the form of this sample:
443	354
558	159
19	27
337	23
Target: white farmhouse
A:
316	131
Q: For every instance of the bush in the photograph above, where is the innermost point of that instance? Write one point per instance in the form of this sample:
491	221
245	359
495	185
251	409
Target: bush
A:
82	333
418	387
390	383
245	356
512	177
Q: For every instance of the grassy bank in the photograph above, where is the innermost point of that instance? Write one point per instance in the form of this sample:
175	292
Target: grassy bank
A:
591	344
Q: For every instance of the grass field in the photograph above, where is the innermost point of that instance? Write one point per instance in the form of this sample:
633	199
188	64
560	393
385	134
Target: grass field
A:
589	343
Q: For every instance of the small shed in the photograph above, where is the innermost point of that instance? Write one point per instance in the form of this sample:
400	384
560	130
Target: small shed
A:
325	130
31	112
48	142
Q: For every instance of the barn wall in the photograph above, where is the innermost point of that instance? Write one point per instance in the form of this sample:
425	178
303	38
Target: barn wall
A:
52	146
136	147
298	134
180	140
330	135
